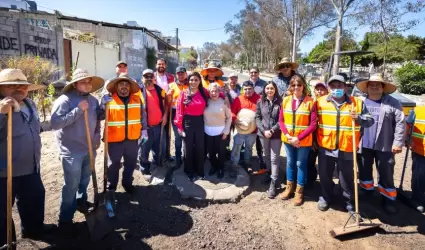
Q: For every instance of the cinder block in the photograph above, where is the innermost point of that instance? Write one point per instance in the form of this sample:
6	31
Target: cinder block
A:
6	27
11	22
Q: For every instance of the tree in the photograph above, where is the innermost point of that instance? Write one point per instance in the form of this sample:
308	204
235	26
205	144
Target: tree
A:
386	17
341	8
420	42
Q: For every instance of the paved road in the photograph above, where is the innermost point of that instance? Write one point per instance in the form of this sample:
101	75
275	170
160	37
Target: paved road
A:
242	76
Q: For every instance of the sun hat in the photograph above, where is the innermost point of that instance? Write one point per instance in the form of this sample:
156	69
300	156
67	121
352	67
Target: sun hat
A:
16	77
212	65
388	86
134	87
248	116
81	74
286	60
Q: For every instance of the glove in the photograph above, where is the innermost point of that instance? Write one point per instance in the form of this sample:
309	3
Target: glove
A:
144	136
105	99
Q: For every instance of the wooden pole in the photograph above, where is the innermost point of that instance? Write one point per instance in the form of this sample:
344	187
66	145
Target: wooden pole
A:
9	179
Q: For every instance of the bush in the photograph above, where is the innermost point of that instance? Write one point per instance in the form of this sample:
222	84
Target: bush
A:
411	79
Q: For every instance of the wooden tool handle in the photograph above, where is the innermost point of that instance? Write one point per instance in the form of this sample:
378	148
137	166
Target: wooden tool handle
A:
105	143
9	178
356	188
90	146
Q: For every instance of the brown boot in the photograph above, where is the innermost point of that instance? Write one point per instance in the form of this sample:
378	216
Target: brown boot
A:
299	196
289	190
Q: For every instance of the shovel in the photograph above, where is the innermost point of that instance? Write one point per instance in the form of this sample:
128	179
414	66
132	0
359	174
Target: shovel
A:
358	226
9	181
401	195
97	219
108	196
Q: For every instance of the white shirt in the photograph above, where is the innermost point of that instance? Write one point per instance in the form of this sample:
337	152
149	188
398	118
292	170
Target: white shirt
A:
162	82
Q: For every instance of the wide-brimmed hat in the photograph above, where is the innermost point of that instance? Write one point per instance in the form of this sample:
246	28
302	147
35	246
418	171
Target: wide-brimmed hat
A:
388	86
134	87
212	65
16	77
286	60
248	116
81	74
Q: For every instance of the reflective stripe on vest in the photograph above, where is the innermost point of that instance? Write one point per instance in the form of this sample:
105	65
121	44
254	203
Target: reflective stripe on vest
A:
297	121
122	119
418	135
329	135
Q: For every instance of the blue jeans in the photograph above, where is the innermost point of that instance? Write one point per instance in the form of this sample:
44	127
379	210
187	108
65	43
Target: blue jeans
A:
154	137
296	162
76	174
178	139
238	141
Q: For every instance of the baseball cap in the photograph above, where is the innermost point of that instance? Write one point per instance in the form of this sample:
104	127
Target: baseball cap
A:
120	62
233	75
316	83
180	69
147	71
336	78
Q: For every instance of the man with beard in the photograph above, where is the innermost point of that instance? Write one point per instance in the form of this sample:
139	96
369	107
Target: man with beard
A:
173	94
68	121
156	110
26	151
126	124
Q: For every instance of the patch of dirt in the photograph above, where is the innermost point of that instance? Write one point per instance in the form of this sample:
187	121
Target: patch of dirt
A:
157	218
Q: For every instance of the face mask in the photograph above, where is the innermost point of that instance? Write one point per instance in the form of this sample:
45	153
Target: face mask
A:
337	93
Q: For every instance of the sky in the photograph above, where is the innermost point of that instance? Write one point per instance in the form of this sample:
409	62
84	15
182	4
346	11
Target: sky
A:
199	21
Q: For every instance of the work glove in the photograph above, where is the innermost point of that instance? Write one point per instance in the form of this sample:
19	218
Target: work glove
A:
105	99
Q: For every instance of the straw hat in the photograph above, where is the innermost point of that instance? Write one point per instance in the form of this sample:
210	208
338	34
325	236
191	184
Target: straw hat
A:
286	60
248	116
81	74
15	76
212	65
134	87
388	87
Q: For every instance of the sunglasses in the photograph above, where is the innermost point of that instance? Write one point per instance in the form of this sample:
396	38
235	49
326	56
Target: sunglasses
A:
148	77
296	85
285	66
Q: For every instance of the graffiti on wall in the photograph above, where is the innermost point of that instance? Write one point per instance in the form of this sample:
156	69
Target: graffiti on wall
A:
39	23
9	43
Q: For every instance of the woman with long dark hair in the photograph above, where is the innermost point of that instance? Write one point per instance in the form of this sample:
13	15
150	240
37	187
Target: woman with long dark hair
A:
297	121
267	120
190	123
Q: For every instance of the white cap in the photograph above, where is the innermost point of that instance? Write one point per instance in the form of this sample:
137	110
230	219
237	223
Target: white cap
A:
233	75
147	71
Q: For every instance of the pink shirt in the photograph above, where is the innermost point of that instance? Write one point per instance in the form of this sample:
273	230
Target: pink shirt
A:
196	107
311	127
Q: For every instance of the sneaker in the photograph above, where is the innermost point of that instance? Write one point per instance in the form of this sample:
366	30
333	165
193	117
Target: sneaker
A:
322	204
271	193
129	189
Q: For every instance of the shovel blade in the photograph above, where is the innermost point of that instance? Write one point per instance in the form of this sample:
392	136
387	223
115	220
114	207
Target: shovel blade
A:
353	228
99	223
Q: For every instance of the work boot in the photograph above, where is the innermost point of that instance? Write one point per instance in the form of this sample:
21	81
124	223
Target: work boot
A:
129	189
289	190
67	229
299	196
322	204
233	170
272	189
390	206
82	206
39	233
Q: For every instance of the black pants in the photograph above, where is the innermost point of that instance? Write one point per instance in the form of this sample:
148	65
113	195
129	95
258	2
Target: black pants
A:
216	148
30	194
345	176
194	145
384	165
259	148
311	167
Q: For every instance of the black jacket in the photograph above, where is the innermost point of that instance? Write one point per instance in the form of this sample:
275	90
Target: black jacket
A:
267	116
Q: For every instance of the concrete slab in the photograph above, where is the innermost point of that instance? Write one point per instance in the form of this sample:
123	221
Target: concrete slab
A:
219	190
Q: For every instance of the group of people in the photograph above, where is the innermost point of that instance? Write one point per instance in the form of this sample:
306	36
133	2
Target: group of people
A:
204	112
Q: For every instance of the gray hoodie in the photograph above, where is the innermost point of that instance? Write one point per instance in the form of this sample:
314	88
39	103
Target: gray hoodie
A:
68	121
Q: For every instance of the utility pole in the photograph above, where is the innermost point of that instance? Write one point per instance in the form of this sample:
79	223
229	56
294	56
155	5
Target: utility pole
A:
177	46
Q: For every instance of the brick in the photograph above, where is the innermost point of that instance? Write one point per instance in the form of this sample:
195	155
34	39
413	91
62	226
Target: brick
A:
6	27
11	22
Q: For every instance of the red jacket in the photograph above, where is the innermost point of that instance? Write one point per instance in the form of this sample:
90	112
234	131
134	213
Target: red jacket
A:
170	77
242	102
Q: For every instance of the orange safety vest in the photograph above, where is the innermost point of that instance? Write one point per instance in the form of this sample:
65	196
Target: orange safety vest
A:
206	83
329	135
177	91
119	123
298	120
418	134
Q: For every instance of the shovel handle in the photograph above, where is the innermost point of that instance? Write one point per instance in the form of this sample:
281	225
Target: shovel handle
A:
90	146
105	144
9	178
356	188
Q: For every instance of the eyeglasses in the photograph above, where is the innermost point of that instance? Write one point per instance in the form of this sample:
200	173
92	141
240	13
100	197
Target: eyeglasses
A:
296	85
285	66
148	77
